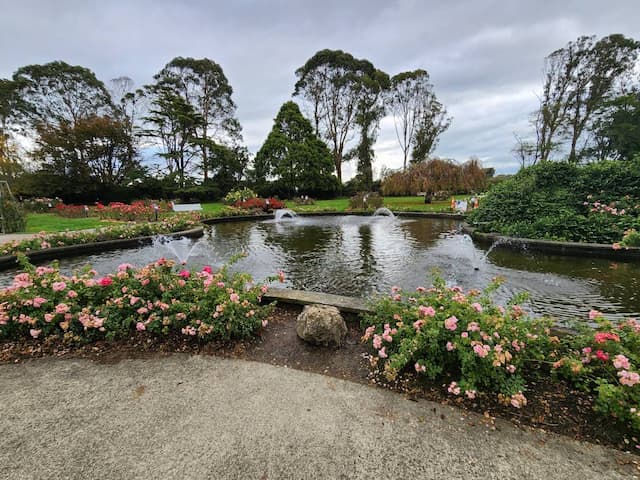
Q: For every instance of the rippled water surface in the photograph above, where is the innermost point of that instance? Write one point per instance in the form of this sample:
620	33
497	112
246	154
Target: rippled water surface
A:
359	256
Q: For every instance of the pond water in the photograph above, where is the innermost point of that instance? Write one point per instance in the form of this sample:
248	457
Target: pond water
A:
359	256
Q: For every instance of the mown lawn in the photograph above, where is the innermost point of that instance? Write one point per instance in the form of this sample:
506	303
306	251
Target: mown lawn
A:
407	204
50	222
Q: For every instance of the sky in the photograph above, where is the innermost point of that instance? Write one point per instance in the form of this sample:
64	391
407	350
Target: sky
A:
485	57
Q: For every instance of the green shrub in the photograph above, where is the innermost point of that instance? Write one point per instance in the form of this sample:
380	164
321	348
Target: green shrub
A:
13	216
562	201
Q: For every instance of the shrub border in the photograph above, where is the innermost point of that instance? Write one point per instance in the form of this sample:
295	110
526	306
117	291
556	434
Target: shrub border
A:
574	249
10	261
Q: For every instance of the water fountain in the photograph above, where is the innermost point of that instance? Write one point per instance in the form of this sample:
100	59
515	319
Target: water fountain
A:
383	212
179	248
285	214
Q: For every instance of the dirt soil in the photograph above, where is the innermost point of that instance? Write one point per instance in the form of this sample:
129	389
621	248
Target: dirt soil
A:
552	406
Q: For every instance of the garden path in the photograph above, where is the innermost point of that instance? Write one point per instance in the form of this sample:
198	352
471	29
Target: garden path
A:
208	417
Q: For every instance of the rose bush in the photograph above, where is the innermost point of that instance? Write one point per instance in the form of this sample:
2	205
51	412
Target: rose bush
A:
159	298
141	210
443	331
605	361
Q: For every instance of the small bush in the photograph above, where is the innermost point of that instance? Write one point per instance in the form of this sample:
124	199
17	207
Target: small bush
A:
366	201
13	216
40	205
260	204
239	195
605	363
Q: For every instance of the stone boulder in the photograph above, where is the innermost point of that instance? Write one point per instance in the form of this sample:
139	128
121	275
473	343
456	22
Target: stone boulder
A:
321	325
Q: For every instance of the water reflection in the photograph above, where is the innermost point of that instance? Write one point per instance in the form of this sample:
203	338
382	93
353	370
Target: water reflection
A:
363	255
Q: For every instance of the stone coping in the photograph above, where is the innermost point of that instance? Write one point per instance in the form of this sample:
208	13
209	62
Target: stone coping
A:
575	249
302	297
37	256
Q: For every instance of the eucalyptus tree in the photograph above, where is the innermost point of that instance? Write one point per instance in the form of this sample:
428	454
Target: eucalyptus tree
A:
198	91
331	83
56	93
419	118
578	80
371	109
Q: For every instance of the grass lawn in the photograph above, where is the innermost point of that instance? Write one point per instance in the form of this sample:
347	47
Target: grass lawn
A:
406	204
49	222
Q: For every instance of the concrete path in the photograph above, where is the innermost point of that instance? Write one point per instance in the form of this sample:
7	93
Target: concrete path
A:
206	417
10	237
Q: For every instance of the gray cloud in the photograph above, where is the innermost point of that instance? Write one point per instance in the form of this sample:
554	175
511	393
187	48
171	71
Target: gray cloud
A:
485	57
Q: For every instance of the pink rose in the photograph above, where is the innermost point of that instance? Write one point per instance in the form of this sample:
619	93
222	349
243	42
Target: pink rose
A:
382	353
34	333
39	301
451	323
105	281
420	368
454	389
593	314
621	362
140	326
450	346
58	286
426	311
477	307
185	274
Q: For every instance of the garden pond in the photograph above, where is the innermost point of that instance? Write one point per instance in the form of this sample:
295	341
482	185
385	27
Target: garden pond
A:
361	256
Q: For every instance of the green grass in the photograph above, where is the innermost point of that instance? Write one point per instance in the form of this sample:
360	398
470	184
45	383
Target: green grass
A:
405	204
50	222
212	207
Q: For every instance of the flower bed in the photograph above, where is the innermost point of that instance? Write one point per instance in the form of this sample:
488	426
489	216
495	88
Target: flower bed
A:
136	211
158	298
261	205
479	348
174	223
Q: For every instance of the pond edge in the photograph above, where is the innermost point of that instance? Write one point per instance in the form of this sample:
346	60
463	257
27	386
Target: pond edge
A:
37	256
575	249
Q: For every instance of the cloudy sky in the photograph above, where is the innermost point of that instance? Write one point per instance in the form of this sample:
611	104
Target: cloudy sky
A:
485	57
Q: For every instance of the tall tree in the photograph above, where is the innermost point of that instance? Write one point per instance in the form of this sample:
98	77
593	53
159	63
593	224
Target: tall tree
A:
172	121
331	82
370	111
95	151
433	121
616	133
202	85
412	102
579	78
57	92
293	156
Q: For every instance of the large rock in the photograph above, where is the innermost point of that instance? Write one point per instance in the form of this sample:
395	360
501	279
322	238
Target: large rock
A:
321	325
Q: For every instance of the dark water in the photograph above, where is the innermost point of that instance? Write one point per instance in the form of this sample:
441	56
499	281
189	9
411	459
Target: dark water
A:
364	255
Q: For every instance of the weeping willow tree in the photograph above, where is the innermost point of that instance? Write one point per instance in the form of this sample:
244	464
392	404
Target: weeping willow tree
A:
434	176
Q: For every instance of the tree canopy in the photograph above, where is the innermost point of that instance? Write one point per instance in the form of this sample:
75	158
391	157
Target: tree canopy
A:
293	156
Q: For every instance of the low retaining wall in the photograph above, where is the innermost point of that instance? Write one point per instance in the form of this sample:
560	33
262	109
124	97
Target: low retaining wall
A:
38	256
575	249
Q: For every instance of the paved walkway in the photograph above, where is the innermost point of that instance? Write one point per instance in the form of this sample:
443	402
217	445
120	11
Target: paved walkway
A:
206	417
10	237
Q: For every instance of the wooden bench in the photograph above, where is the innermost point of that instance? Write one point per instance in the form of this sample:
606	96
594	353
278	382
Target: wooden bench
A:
186	207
